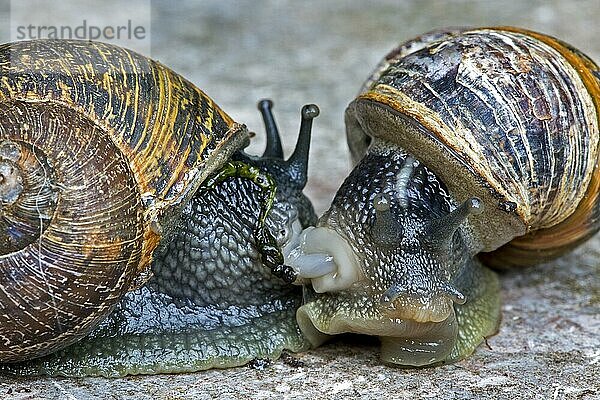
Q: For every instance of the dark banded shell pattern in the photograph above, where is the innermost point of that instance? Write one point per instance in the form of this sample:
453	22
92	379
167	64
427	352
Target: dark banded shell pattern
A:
504	114
113	144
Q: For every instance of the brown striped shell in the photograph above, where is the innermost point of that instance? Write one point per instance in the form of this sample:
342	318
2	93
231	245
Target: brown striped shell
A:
99	149
508	115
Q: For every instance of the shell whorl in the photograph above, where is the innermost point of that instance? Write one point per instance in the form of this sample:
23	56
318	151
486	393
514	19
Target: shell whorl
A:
88	243
99	149
172	133
509	116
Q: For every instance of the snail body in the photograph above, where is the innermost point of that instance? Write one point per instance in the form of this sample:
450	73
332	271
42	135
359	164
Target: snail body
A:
125	188
467	141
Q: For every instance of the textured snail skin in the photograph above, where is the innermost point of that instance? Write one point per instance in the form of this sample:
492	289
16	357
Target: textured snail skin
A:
210	303
450	121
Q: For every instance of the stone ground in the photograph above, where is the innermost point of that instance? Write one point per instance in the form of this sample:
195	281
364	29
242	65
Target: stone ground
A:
296	52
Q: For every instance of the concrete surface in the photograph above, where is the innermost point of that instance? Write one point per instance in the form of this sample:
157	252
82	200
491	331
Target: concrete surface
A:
315	51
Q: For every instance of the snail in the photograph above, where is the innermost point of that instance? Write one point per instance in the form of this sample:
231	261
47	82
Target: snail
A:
131	216
474	148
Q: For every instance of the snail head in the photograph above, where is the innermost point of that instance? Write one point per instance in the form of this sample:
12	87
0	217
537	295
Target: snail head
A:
388	259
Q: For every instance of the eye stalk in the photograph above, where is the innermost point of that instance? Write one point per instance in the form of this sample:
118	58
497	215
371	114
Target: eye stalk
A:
297	165
274	148
386	230
441	230
298	161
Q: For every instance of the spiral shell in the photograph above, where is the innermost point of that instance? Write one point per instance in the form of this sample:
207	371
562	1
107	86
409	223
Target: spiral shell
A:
508	115
100	147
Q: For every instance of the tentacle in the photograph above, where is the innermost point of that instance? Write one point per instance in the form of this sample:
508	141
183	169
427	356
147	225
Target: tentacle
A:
386	230
440	231
391	294
454	294
298	161
273	148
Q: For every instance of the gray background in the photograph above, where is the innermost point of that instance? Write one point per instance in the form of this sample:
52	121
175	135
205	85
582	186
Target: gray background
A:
297	52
